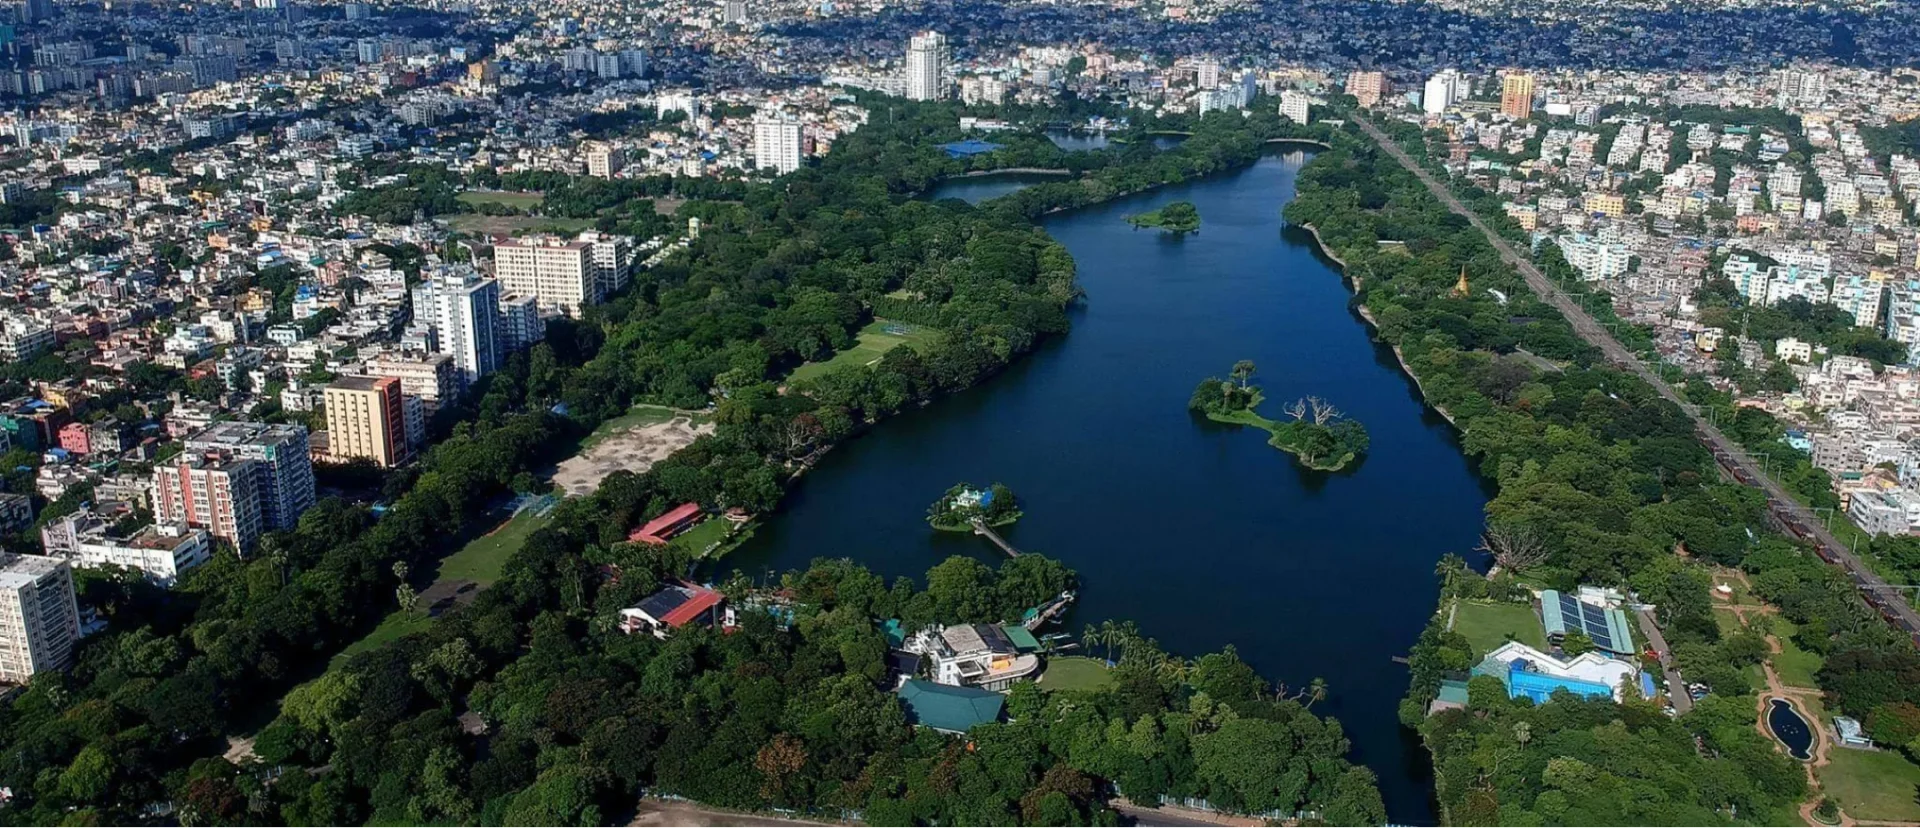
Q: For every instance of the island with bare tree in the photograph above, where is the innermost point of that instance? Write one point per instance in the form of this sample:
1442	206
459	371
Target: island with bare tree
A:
1316	433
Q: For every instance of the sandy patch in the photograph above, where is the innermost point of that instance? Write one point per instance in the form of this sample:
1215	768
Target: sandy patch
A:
635	450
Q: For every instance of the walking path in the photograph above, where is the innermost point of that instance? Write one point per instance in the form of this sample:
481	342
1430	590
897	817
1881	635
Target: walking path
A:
1780	502
980	527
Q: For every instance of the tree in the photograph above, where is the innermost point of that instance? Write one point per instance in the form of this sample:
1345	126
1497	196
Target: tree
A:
1243	372
1323	411
1516	547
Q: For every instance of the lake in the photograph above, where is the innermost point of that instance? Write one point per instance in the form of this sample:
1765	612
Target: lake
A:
1200	533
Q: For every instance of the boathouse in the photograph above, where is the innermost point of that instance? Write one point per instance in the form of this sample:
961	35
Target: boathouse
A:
658	531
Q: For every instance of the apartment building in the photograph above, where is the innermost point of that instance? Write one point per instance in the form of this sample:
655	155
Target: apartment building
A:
284	470
39	618
24	337
163	551
564	275
366	419
219	495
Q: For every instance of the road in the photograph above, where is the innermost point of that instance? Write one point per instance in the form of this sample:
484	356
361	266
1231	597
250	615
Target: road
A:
683	813
1788	511
1676	686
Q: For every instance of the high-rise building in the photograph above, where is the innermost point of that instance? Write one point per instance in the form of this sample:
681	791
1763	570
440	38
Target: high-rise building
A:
1445	89
430	378
285	472
563	274
926	66
607	66
605	160
1799	88
776	142
215	494
1516	95
39	618
1295	106
1367	87
520	324
461	311
733	12
34	11
1206	73
366	419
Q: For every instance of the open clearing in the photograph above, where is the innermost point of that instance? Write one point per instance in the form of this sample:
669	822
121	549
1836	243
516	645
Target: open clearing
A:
519	200
633	442
1872	784
477	224
1075	673
875	340
1487	626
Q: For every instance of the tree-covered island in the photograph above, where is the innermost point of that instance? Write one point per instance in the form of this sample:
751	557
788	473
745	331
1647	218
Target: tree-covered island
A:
956	510
1178	218
1317	434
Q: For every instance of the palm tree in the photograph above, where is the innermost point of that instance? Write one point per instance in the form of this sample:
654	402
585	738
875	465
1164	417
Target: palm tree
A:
1315	691
1092	638
1128	633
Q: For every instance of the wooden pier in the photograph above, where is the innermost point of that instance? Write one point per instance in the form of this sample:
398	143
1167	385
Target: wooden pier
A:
980	527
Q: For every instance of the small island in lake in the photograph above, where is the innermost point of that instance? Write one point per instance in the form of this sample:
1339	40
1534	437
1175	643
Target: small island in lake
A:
956	510
1178	218
1317	434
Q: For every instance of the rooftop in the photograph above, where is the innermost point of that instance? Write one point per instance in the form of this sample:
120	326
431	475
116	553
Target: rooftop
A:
949	708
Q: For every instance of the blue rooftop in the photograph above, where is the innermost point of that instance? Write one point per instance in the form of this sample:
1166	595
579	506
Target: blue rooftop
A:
969	147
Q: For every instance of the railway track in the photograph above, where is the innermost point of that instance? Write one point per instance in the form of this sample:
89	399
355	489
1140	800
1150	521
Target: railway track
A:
1790	514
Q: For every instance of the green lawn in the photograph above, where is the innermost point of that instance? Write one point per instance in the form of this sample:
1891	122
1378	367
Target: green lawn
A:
1075	673
1795	665
1873	784
1487	626
482	560
1728	622
477	223
710	532
397	624
517	200
479	561
874	341
640	416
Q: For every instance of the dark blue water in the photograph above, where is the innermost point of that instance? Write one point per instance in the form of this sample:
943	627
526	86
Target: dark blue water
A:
1201	534
1790	728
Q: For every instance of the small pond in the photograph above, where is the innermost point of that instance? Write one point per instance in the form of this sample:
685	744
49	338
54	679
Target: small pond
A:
1790	728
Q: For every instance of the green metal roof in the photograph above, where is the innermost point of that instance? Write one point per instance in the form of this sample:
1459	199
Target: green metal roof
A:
949	708
1022	640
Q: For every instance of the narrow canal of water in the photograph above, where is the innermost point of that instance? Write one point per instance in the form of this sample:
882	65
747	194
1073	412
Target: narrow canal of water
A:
1201	534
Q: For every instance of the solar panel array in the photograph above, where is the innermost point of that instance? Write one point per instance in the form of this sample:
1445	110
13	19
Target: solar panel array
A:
1588	619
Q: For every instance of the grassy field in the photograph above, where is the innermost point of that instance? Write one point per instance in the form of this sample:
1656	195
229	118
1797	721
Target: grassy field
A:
482	560
516	200
1727	621
479	561
1487	626
874	341
396	625
1795	665
1873	784
710	532
515	225
1075	673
